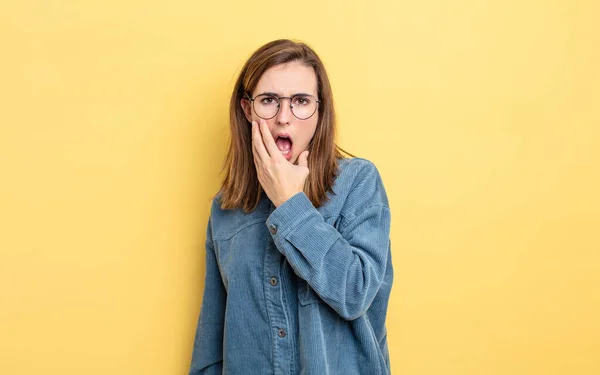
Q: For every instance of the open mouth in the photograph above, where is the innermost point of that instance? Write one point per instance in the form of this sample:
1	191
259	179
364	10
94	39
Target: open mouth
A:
284	144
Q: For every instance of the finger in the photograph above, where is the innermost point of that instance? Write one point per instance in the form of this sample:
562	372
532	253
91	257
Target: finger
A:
256	157
257	143
269	142
257	164
257	168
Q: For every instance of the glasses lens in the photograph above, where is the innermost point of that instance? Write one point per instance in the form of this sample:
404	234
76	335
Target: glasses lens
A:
304	106
266	106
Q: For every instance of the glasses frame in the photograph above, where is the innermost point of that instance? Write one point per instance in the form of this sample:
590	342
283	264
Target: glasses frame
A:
279	105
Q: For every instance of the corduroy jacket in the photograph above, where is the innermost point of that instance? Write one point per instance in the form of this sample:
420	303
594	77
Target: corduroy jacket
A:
298	289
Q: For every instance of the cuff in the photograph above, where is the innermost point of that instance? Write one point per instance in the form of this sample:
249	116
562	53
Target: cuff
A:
285	217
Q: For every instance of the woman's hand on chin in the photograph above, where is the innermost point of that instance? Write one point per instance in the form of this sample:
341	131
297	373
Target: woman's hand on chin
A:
279	178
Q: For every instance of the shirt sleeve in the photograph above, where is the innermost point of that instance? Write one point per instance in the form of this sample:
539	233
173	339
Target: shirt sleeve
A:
344	267
207	355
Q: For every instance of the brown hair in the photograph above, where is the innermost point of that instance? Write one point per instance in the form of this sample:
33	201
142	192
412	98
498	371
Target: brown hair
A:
240	187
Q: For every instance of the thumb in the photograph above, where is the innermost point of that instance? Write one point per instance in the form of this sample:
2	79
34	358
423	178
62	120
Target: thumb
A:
303	159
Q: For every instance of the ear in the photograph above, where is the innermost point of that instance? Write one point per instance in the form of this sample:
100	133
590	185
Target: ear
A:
246	106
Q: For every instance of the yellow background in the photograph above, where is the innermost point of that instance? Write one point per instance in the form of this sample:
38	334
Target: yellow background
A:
482	116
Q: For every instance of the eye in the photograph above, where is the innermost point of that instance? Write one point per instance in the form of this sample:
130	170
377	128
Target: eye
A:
268	100
302	100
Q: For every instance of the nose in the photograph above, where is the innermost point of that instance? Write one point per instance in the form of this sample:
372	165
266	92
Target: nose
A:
285	111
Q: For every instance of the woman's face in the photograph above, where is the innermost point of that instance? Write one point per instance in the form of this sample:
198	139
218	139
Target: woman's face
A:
287	80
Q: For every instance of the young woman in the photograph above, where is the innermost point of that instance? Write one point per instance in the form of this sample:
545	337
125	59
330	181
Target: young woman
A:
298	261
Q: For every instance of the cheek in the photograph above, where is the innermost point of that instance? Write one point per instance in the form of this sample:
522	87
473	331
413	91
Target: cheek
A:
307	135
271	125
311	131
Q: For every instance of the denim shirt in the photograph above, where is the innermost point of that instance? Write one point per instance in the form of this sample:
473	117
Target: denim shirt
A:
298	289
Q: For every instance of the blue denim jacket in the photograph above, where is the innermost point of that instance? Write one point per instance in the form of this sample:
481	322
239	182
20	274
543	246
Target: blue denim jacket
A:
299	290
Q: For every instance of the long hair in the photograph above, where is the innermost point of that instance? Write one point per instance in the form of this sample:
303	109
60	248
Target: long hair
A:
240	187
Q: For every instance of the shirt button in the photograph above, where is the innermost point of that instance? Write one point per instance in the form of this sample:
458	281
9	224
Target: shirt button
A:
273	281
281	332
273	229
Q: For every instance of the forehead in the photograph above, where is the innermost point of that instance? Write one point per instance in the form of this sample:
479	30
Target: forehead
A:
288	79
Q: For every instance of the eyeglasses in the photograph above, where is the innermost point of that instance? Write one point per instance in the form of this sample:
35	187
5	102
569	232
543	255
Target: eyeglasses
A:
266	106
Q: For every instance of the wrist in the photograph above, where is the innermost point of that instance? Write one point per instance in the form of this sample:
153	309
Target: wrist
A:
285	199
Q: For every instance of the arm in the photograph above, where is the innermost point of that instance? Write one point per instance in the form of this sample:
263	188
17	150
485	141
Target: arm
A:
207	356
346	267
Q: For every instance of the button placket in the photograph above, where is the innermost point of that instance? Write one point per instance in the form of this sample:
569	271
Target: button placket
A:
276	306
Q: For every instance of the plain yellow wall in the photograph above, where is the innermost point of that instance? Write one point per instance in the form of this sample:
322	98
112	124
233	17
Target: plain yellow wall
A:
482	116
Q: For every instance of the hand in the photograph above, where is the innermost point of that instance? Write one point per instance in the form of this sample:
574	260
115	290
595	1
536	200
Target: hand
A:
279	178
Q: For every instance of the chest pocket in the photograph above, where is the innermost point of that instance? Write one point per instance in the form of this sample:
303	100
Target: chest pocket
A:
241	255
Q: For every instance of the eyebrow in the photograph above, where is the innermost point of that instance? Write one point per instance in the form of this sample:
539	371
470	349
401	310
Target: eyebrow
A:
279	95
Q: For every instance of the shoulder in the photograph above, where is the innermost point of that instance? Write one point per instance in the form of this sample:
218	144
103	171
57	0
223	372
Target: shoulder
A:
360	185
358	169
359	174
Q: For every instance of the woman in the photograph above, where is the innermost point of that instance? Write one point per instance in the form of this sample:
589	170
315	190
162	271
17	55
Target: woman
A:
298	261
